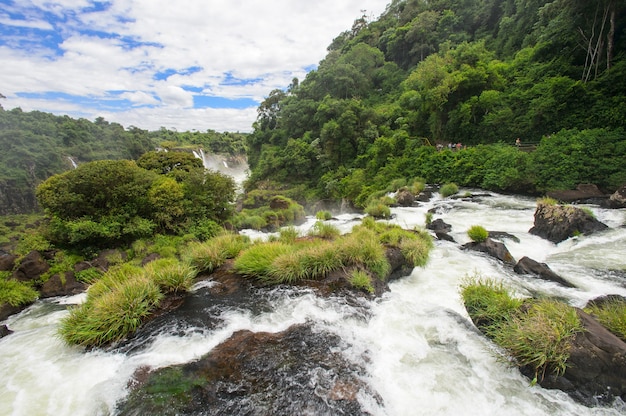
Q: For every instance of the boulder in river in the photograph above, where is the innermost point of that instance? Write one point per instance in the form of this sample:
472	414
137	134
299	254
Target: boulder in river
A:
493	248
526	265
31	267
62	285
557	222
294	372
439	225
585	192
617	199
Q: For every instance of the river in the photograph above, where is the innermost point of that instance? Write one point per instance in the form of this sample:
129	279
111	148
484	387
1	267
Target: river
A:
421	353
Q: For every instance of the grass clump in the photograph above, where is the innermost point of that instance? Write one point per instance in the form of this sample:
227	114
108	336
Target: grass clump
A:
111	315
257	260
323	215
14	292
211	254
477	233
359	279
378	209
171	275
547	201
418	186
611	314
288	234
448	190
537	333
323	230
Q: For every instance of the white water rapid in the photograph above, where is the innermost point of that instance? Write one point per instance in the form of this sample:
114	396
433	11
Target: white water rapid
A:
421	352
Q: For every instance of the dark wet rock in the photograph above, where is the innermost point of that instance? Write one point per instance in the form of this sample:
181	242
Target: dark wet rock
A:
493	248
4	331
31	267
557	223
617	199
108	257
405	198
503	235
444	236
582	193
426	195
439	225
7	310
150	258
606	299
7	261
596	372
61	285
279	202
527	265
294	372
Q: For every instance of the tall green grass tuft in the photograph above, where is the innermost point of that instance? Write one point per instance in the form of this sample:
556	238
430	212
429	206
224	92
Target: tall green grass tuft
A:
14	292
537	335
359	279
448	190
611	314
171	275
362	248
112	315
211	254
323	230
378	209
323	215
257	260
477	233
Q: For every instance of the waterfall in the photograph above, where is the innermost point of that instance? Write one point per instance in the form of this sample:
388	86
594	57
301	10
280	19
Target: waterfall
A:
422	353
237	169
72	162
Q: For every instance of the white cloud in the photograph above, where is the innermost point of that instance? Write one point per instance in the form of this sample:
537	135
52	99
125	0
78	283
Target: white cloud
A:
267	42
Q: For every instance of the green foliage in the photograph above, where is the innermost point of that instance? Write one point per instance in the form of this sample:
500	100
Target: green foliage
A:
14	292
448	190
211	254
323	230
378	209
429	218
257	260
477	233
359	279
288	234
538	335
171	275
89	275
32	241
612	315
61	263
323	215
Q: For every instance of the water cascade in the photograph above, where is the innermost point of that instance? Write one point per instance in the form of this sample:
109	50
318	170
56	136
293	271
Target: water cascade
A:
421	353
237	169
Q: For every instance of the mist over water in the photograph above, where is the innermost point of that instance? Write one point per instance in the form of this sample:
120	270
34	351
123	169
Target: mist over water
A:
422	354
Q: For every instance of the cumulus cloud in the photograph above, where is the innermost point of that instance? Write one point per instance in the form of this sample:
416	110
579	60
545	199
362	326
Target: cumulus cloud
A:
155	55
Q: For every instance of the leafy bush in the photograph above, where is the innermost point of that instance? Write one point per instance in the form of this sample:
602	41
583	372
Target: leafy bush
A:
16	293
448	189
477	233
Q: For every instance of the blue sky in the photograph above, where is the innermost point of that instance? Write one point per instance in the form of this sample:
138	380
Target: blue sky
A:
186	64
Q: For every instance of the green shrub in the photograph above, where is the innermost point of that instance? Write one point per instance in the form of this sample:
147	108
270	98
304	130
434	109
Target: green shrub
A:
288	234
257	260
417	187
324	230
32	241
416	251
362	248
477	233
361	280
323	215
16	293
611	314
89	275
448	189
204	229
396	184
171	275
61	263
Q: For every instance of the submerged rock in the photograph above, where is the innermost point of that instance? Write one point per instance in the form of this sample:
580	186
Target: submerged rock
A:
557	223
527	265
294	372
439	225
4	331
617	199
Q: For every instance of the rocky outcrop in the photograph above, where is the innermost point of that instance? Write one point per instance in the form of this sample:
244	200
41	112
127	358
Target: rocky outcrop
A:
405	198
582	193
31	267
7	310
527	265
439	226
557	223
617	199
4	331
493	248
596	370
58	285
294	372
7	261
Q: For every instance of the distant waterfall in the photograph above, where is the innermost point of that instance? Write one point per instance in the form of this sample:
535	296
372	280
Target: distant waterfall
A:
73	162
236	167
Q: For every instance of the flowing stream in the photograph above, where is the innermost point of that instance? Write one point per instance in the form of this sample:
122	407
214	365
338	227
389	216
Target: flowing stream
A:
421	353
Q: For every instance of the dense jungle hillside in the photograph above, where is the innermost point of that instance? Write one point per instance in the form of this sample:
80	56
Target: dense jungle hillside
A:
36	145
392	94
